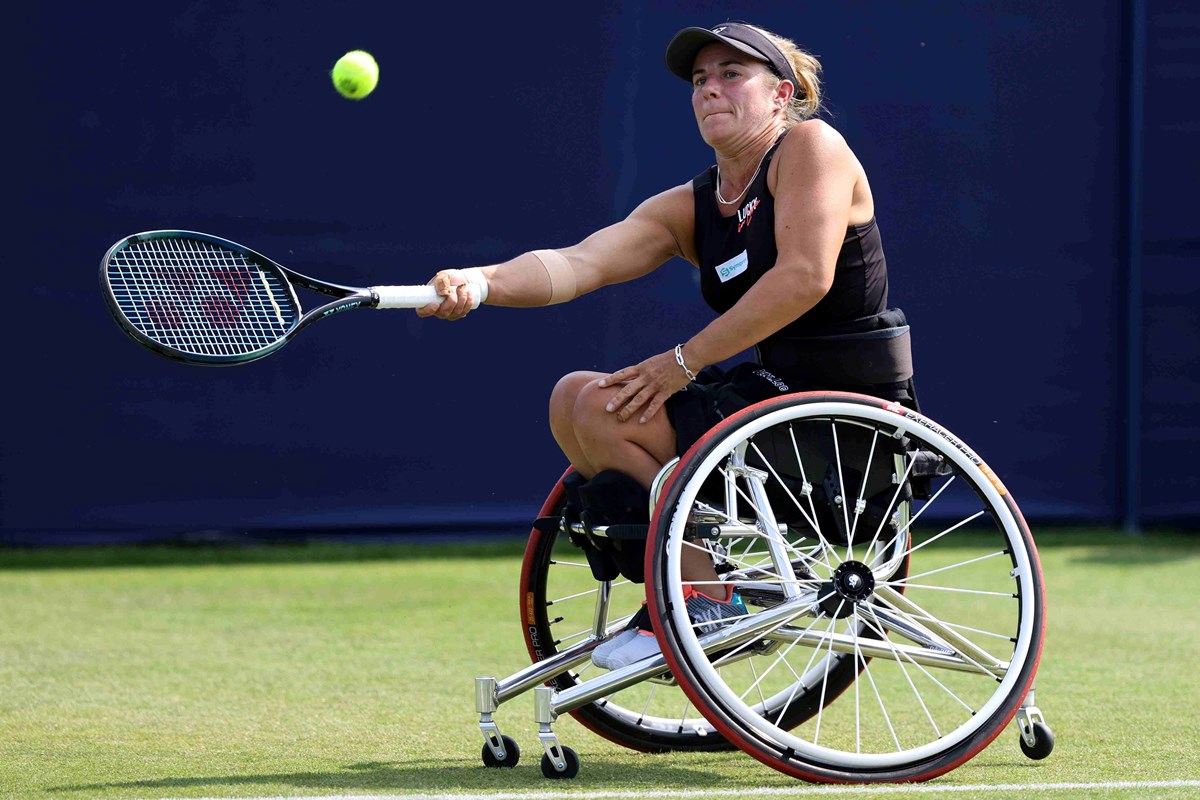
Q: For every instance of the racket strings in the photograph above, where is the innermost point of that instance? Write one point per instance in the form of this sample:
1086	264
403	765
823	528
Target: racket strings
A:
198	297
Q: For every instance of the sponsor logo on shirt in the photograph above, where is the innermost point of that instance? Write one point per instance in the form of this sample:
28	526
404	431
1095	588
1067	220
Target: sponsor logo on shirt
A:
733	267
745	213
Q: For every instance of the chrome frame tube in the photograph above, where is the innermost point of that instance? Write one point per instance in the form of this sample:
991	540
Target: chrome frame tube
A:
542	671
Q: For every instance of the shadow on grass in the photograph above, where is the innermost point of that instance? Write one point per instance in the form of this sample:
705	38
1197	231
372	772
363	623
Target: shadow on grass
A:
437	775
1106	547
265	549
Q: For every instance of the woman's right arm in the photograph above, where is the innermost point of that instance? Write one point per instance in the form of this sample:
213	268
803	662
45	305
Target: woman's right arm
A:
651	235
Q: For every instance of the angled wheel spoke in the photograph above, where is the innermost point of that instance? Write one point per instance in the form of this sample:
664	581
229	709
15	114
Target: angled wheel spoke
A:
945	532
875	690
876	627
976	560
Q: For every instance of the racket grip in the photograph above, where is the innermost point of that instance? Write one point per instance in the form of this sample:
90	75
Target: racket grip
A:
408	296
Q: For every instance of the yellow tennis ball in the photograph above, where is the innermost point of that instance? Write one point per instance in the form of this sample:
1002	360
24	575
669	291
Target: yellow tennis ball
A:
355	74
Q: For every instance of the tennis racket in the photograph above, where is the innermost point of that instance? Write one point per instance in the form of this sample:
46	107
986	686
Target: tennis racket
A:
205	300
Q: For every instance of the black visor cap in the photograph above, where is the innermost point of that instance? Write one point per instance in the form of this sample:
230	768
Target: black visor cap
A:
682	50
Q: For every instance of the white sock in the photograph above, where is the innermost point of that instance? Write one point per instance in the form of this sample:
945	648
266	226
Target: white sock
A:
602	655
643	645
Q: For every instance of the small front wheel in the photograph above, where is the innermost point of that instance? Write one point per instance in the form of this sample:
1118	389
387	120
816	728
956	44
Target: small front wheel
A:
512	754
1043	742
570	770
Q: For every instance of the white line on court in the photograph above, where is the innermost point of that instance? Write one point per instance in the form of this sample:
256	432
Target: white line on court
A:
804	791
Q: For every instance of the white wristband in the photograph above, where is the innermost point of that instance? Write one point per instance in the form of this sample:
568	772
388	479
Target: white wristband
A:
475	275
679	359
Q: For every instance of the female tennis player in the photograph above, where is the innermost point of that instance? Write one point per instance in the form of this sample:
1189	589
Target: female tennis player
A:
783	230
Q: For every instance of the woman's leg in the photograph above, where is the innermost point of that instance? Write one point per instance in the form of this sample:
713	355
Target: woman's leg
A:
562	418
639	449
594	440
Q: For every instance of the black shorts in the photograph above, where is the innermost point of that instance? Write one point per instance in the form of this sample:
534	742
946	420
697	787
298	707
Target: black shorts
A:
717	393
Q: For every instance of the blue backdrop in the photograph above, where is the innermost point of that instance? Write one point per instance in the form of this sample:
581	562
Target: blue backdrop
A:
1015	214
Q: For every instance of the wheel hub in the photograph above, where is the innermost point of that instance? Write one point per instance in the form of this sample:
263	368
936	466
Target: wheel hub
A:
852	582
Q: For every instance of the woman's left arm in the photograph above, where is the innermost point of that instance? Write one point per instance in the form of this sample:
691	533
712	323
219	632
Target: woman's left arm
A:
813	191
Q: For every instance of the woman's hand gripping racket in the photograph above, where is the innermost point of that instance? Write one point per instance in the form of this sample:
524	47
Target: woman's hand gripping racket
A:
201	299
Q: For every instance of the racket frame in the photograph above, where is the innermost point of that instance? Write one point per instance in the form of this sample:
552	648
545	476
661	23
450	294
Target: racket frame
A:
346	298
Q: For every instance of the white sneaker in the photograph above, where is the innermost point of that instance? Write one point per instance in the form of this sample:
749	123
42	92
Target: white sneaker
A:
643	645
603	653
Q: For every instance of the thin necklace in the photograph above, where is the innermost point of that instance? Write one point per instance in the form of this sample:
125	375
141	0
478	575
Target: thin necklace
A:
725	202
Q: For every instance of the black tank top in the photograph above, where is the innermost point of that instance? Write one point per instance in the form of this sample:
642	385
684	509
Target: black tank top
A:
735	251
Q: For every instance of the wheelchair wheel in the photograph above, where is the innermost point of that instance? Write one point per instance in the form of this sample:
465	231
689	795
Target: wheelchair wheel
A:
937	599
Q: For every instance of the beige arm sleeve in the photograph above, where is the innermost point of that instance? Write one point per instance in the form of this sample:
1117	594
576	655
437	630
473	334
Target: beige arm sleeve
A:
561	275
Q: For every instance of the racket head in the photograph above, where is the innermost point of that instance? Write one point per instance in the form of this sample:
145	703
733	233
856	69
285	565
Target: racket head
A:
198	298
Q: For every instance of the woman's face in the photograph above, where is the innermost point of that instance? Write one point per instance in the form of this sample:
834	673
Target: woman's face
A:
733	96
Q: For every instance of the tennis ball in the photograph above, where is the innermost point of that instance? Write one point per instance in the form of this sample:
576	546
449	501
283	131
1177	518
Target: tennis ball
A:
355	74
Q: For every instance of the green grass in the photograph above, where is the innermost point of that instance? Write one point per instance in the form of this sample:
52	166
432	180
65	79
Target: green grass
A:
328	669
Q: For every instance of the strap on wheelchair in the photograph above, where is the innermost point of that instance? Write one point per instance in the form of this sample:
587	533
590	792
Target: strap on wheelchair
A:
603	567
557	524
852	359
626	532
620	506
926	465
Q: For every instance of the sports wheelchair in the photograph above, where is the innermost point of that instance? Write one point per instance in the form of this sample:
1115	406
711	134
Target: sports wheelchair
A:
894	595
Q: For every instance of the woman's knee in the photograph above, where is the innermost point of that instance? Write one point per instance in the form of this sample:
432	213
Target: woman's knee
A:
589	409
565	396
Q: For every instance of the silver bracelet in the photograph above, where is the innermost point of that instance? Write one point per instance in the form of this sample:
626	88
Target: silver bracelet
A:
679	359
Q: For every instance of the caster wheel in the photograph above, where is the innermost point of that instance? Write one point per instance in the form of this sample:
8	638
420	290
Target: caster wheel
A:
510	760
1043	742
571	771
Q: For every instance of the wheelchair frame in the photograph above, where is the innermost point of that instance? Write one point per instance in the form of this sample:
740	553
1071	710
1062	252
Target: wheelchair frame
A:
918	659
